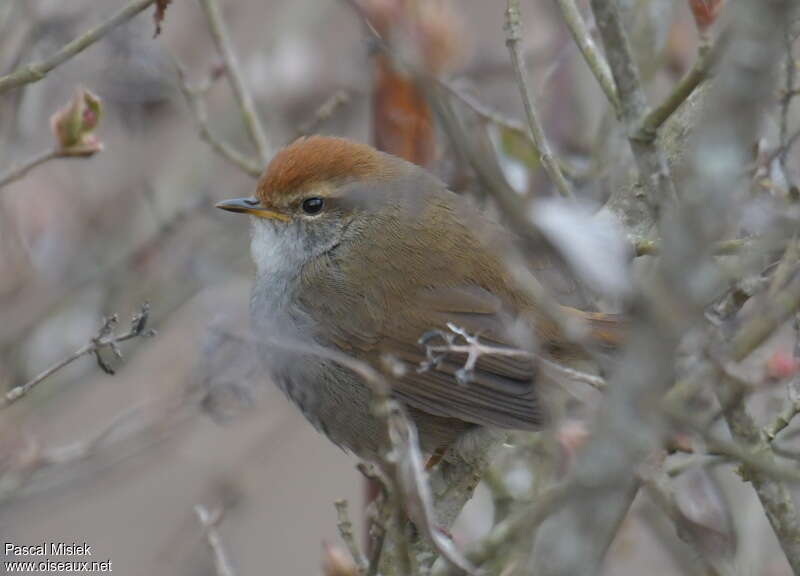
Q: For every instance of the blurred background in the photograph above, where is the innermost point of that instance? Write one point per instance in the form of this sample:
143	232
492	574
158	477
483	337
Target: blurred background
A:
120	461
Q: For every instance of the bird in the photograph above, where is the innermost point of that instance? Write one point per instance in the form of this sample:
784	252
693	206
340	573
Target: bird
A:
364	253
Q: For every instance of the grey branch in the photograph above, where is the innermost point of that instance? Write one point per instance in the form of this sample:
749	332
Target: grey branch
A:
650	159
513	36
194	99
594	59
233	72
105	339
209	522
345	526
700	72
17	172
38	70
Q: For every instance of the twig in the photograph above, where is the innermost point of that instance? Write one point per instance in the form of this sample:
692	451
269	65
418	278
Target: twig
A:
549	163
495	117
783	420
789	71
236	79
38	70
644	247
594	59
657	486
700	72
345	526
762	324
650	159
521	521
17	172
197	106
105	338
209	522
324	112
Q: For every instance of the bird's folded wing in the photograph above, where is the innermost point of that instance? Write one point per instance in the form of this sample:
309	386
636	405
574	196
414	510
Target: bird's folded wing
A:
500	391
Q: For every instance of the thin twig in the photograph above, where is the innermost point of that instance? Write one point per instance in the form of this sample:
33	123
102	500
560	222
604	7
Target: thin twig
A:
700	72
227	151
650	159
209	522
345	526
503	122
594	59
645	247
105	339
549	163
16	172
233	72
38	70
786	416
324	112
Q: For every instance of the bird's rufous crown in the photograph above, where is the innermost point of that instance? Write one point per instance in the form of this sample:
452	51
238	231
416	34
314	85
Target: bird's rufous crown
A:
319	160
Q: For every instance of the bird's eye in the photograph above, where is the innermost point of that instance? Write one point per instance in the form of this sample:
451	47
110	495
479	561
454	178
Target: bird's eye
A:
313	205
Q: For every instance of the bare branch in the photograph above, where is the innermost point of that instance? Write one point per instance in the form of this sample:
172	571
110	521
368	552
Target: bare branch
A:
700	72
105	339
513	36
324	112
17	172
233	71
38	70
209	522
650	159
197	106
345	526
594	59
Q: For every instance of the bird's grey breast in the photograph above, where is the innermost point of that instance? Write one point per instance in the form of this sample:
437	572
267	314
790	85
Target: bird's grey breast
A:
329	396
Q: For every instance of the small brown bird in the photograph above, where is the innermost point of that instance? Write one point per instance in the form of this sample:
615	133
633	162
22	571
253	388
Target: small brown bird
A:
365	253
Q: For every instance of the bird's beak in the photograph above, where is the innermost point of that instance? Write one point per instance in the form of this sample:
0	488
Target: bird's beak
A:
253	207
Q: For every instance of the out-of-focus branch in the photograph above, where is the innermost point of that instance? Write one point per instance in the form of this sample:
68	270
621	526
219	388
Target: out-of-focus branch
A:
345	526
594	59
233	72
521	521
785	418
327	109
700	72
495	117
38	70
105	339
17	172
196	104
209	522
758	328
644	247
650	160
513	37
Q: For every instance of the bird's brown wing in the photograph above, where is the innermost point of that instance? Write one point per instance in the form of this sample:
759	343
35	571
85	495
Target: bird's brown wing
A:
502	389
